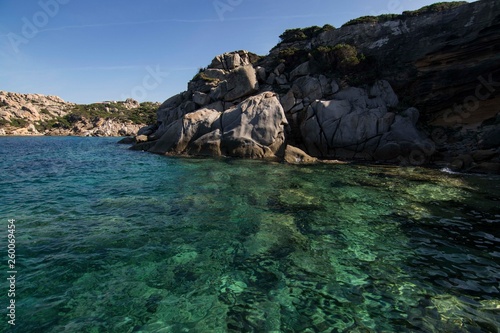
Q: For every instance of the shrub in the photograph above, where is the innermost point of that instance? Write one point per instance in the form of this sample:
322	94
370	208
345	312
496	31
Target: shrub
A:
347	56
144	114
292	57
340	57
328	27
293	35
18	122
362	19
434	8
297	35
437	7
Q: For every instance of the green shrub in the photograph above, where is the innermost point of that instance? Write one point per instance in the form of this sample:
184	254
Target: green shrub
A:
347	56
59	122
434	8
292	57
341	57
362	19
373	19
144	114
300	34
327	27
18	122
293	35
288	52
437	7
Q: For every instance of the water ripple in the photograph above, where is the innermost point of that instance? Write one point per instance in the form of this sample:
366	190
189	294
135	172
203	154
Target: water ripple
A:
111	240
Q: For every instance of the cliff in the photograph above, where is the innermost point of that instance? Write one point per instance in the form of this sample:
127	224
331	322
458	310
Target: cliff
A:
35	114
416	88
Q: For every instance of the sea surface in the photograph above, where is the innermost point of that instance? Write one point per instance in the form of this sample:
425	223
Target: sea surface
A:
113	240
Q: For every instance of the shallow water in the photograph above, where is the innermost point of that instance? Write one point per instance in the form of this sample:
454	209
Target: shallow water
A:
111	240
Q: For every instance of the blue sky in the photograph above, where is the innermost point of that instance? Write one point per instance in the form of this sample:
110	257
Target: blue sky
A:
90	51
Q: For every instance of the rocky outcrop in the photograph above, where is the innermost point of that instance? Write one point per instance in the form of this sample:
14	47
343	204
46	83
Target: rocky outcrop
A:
443	62
323	120
252	129
31	107
416	88
356	125
35	114
97	127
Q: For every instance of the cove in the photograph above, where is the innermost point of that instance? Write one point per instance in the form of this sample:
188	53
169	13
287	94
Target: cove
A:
113	240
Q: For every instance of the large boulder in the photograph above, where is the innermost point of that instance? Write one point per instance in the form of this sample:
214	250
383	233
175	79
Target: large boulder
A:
357	125
404	142
233	60
301	70
241	82
252	129
307	87
179	134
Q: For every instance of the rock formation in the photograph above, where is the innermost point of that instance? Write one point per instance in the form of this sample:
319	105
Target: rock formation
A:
35	114
378	89
254	128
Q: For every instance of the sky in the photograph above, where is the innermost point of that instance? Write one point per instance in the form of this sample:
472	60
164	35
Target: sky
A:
87	51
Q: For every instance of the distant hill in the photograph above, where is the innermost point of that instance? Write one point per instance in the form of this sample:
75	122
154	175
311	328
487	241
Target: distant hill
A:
35	114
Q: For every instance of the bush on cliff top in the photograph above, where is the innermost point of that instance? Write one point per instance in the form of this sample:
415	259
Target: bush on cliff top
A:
434	8
296	35
373	19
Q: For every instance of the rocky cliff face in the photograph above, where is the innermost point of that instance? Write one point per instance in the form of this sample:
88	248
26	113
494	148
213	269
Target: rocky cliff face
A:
416	88
34	114
444	63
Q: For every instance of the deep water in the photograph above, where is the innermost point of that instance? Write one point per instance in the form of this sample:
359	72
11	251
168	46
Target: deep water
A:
111	240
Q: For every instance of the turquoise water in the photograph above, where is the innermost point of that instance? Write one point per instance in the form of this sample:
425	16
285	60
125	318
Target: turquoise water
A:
111	240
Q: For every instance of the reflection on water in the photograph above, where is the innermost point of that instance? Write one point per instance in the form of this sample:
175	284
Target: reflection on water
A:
116	241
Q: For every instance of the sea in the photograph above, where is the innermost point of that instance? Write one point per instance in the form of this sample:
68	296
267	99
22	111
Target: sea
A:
98	238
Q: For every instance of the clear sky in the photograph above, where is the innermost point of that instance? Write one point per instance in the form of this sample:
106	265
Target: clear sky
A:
94	50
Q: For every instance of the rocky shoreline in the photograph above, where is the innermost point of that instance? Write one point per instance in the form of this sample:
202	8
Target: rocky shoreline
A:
399	89
421	88
37	115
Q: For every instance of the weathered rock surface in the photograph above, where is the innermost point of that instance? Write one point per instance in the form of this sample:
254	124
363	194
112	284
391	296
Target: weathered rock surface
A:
444	63
437	59
412	89
23	114
252	129
294	155
356	126
31	107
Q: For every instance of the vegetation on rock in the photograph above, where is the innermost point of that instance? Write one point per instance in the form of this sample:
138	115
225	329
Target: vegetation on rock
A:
300	34
372	19
144	114
341	60
18	122
292	57
436	7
